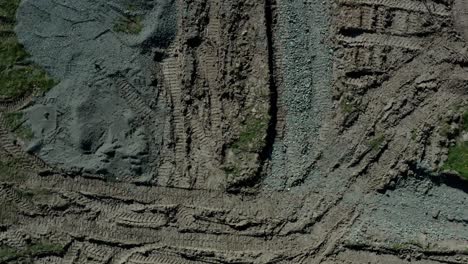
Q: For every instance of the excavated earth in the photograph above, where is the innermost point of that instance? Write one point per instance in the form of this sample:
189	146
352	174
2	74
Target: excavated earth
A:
240	131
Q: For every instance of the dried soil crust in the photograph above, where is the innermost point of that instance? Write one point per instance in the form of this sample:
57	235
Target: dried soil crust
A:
86	121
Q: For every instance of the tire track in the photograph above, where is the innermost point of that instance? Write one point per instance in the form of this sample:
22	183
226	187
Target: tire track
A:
408	5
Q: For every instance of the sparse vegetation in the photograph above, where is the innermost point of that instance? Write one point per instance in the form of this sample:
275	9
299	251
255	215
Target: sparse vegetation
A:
400	246
377	141
7	253
34	193
412	244
465	121
8	8
17	81
414	134
458	159
8	215
6	28
458	155
18	76
251	141
347	107
252	136
9	169
14	122
40	248
233	171
44	248
445	130
129	25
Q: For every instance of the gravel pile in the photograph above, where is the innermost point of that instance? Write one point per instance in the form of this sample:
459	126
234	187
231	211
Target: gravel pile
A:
306	63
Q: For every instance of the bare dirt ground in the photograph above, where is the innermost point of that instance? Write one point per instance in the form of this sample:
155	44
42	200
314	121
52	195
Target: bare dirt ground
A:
239	132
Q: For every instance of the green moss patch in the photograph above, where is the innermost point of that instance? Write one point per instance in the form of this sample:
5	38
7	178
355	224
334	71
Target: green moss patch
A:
129	25
14	122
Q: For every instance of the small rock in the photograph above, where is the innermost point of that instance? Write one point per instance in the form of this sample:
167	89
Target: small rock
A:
403	168
435	214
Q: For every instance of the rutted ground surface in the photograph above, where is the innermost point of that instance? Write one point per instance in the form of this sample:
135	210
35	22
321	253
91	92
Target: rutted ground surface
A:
268	156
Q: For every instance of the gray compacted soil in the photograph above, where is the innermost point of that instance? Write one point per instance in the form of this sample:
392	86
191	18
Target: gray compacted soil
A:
83	122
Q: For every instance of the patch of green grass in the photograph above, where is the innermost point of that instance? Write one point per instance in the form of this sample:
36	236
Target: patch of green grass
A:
129	25
18	76
252	136
14	122
458	159
19	81
11	52
458	155
377	141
